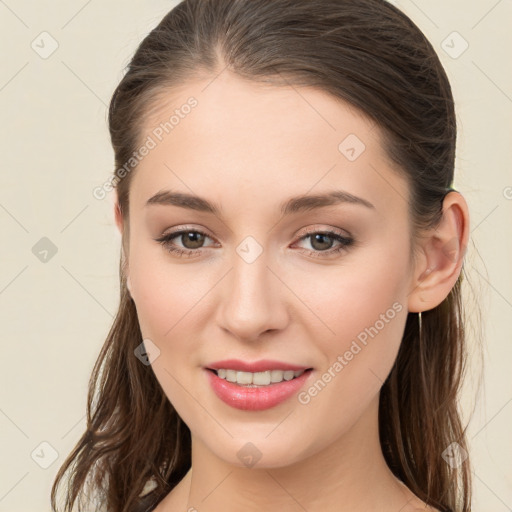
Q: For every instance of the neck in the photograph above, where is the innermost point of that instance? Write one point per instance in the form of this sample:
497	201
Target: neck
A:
350	474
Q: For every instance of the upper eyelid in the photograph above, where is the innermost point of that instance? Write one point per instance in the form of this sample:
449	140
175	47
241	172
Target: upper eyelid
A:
332	230
181	231
309	231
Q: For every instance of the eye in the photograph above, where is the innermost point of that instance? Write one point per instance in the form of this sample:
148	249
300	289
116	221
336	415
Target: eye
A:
322	247
192	240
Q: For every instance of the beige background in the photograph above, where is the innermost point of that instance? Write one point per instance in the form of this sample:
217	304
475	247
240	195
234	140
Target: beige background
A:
55	150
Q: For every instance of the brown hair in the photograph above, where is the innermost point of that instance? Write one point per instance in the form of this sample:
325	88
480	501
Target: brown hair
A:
371	55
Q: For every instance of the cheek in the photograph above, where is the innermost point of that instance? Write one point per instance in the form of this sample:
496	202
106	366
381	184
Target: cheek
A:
164	293
363	310
170	299
173	304
350	298
356	359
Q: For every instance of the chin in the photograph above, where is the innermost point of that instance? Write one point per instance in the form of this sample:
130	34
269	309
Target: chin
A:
260	452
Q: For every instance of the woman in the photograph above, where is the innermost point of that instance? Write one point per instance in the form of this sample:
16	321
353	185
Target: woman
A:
290	334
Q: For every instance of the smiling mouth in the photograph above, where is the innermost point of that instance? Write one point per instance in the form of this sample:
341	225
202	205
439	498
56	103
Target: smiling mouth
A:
257	379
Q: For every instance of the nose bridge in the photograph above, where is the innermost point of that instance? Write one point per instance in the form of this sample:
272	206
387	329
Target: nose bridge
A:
252	301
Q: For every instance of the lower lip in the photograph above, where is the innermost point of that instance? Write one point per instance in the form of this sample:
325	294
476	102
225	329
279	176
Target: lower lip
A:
255	399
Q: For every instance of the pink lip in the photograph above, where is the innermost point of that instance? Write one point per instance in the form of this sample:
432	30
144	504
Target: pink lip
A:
256	366
257	398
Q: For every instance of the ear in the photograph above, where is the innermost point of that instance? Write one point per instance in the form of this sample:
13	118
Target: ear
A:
442	254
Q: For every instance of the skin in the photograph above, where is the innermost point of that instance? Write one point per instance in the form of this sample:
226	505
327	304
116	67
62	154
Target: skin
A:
248	148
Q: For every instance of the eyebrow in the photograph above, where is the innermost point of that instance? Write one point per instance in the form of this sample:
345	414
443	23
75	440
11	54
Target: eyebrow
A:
293	205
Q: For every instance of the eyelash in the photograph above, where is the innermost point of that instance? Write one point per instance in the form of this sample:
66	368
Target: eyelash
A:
344	241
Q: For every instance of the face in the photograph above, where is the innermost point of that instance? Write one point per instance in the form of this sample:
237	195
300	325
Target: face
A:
319	285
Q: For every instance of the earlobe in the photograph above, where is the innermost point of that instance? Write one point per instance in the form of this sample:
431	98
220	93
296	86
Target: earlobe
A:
444	249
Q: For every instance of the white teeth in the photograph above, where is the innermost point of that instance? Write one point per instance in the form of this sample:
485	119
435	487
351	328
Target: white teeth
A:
288	375
276	376
261	378
230	375
243	378
257	378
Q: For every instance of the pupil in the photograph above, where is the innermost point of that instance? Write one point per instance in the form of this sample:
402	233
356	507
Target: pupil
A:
320	236
197	239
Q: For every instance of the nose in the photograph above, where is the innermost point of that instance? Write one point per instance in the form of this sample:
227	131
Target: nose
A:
253	300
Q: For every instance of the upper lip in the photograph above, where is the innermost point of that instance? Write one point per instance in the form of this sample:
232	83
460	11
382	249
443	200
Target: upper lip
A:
254	366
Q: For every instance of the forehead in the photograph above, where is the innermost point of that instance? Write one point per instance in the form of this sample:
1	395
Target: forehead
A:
252	143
